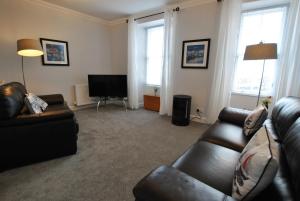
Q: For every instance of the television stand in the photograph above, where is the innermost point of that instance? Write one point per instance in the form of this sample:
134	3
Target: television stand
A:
102	101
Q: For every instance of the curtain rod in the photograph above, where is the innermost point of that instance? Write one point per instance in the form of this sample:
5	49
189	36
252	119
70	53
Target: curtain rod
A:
135	19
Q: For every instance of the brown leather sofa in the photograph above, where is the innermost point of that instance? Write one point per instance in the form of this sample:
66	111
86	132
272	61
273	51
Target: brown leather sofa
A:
26	138
205	171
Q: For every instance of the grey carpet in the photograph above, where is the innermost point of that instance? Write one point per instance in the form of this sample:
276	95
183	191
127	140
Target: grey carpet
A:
115	150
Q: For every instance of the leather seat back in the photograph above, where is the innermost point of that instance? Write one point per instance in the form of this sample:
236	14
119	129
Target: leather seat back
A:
291	147
284	114
11	99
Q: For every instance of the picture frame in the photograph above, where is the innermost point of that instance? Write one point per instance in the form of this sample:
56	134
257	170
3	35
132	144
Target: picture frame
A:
195	53
56	52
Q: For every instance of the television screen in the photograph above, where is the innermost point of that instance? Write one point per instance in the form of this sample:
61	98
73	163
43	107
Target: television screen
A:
107	85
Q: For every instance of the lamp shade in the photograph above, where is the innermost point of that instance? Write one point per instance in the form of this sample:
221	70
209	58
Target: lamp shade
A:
261	51
29	48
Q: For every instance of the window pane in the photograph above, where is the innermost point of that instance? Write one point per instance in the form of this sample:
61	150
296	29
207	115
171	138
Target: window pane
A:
256	26
155	43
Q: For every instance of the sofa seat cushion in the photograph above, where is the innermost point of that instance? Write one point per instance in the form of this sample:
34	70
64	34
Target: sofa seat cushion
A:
169	184
211	164
227	135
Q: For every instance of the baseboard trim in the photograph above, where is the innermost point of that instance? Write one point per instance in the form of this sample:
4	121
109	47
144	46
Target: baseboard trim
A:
76	108
196	118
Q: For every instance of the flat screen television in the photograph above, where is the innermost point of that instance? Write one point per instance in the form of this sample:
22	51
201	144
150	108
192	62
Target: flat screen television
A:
107	86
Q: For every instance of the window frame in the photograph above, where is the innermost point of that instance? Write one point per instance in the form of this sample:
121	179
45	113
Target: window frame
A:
146	52
258	8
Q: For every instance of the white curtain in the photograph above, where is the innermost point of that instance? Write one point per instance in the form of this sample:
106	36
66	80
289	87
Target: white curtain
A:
288	83
132	67
166	88
225	58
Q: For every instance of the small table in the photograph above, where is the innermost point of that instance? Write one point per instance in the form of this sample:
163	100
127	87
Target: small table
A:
152	103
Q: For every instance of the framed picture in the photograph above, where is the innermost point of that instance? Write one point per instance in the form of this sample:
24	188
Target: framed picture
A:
56	52
195	53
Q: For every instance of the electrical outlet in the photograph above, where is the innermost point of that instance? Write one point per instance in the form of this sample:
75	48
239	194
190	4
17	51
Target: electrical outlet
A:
199	110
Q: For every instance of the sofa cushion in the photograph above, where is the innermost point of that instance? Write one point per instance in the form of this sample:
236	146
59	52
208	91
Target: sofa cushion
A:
35	104
227	135
291	147
211	164
255	120
285	113
11	100
257	166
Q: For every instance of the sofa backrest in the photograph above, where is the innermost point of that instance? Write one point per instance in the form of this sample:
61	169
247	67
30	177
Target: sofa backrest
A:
11	99
291	148
284	114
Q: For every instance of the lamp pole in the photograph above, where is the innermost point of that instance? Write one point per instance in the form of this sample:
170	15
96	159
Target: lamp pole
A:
23	72
262	77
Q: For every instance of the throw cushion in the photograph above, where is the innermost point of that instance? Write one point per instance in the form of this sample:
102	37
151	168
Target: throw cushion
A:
35	104
254	120
257	166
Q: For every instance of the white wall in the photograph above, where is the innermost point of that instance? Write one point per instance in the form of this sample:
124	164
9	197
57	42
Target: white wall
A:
89	47
196	23
243	101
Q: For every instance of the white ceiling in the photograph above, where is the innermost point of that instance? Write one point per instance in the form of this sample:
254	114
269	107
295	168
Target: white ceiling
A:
112	9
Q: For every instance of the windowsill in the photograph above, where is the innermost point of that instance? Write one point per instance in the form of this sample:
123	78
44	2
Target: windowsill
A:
152	85
249	95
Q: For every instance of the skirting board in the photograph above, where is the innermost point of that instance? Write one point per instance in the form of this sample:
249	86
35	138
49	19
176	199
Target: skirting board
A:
76	108
196	118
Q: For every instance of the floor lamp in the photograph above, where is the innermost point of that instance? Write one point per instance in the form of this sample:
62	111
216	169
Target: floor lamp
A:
261	51
28	48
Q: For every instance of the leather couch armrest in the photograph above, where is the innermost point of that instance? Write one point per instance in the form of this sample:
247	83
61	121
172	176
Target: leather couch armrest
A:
234	115
169	184
53	99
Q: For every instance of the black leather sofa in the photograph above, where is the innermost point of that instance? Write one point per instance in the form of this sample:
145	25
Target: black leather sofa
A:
27	138
205	171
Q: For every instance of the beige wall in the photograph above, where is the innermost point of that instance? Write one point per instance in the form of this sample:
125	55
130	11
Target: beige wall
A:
99	49
193	23
89	47
119	38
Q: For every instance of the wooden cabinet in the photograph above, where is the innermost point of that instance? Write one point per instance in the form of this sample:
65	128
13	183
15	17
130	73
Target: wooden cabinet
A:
152	103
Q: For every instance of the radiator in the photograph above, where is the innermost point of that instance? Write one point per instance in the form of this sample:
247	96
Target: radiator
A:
82	95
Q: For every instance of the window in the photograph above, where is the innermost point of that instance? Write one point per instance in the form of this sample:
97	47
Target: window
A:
154	54
264	25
